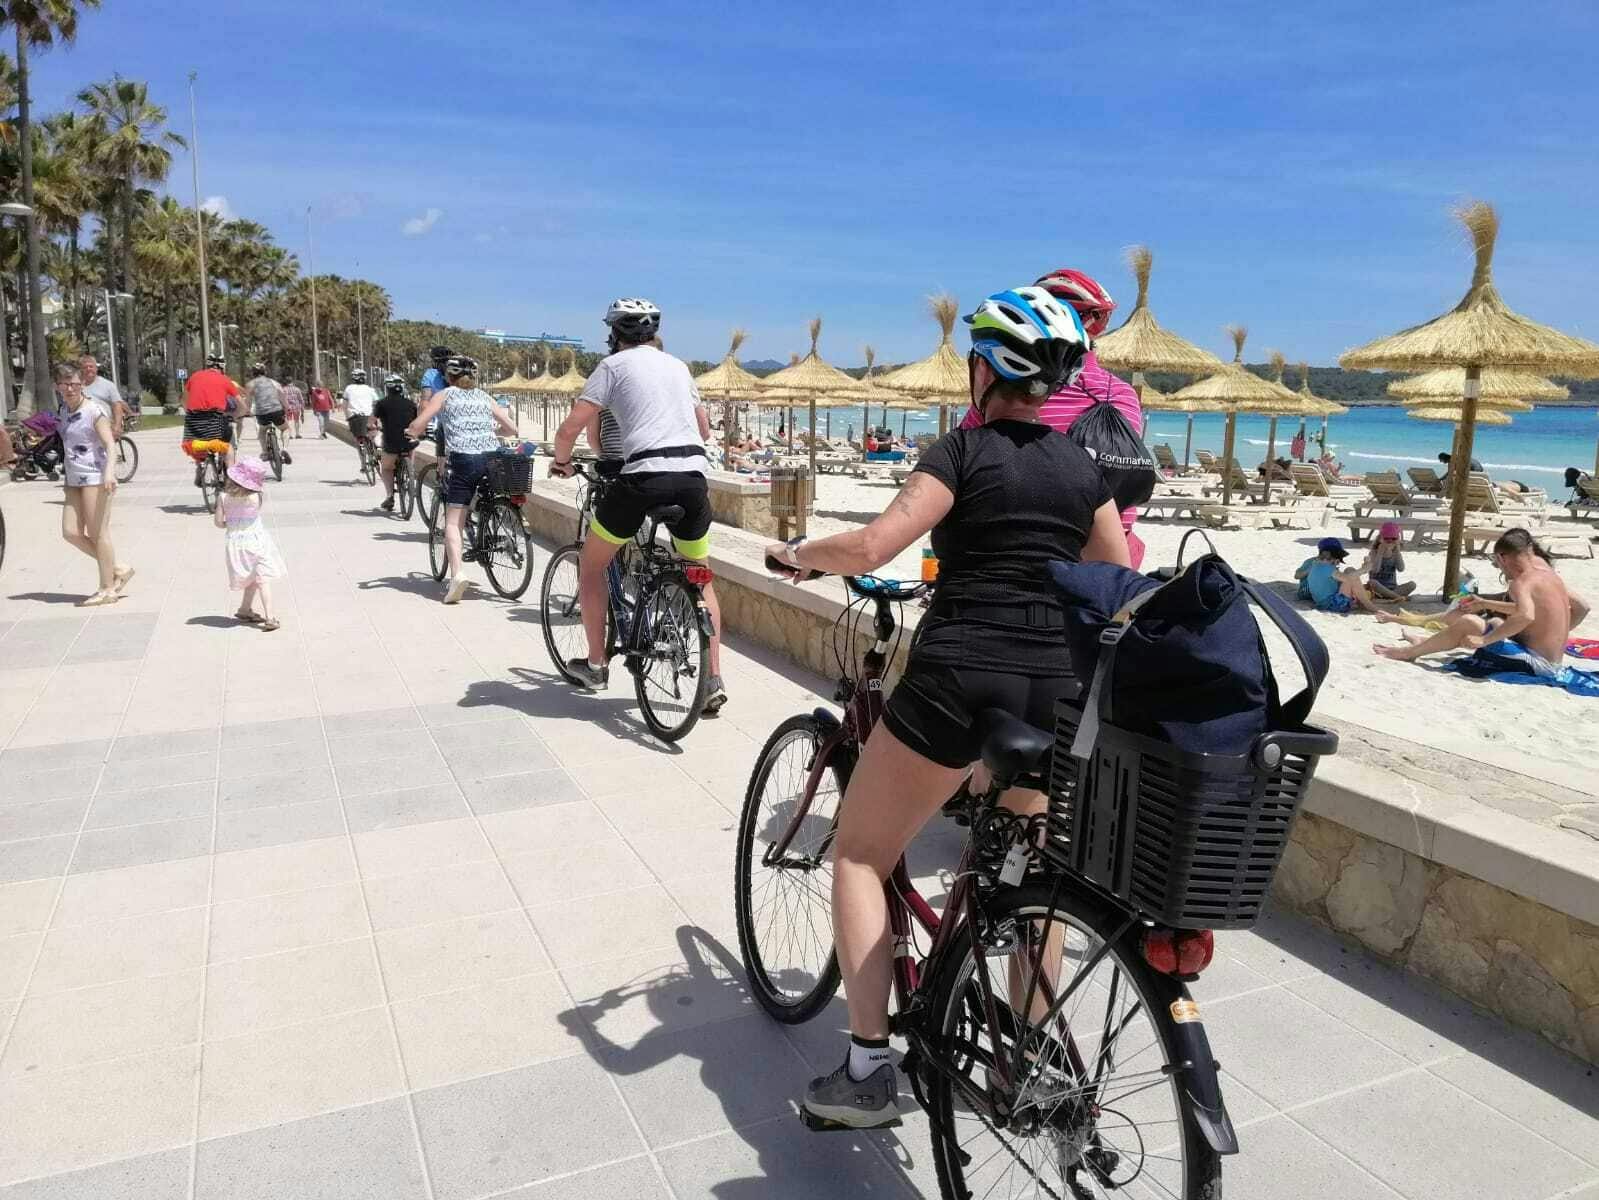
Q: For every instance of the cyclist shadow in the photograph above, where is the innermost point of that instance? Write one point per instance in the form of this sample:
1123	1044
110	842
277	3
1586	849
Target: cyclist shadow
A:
183	508
367	512
392	536
698	1058
418	583
547	696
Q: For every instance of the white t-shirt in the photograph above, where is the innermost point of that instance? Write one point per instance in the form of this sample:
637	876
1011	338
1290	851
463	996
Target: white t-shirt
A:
655	403
359	399
103	390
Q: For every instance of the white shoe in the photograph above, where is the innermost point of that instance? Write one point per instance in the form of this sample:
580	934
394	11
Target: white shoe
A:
457	589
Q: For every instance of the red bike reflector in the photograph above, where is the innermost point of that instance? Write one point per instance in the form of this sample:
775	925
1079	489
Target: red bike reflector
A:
517	500
1179	951
698	576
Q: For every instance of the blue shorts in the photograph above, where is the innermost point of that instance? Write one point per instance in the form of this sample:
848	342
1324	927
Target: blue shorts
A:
1337	604
466	470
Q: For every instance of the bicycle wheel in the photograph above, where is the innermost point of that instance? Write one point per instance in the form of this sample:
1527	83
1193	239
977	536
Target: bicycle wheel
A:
369	466
670	679
2	538
127	464
559	613
429	494
404	493
507	550
785	908
212	477
274	453
438	561
1097	1109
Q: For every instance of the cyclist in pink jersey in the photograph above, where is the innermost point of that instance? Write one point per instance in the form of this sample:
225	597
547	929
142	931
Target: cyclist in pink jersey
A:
1094	306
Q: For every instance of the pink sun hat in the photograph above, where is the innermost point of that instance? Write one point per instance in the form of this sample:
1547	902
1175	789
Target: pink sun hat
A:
248	473
1390	529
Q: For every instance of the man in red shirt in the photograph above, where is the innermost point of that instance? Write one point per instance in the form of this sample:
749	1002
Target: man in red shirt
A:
206	407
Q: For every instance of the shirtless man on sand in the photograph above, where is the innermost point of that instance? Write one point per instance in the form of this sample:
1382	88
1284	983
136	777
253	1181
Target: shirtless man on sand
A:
1538	617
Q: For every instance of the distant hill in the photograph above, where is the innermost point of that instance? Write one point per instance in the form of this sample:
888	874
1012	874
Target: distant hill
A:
1360	387
763	366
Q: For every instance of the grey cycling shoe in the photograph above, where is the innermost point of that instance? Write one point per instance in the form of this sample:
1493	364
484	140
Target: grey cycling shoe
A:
838	1102
593	678
715	696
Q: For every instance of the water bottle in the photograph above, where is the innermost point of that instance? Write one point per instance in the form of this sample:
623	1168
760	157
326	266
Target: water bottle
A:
929	565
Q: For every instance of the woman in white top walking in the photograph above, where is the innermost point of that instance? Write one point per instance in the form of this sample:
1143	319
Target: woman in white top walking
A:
470	418
87	440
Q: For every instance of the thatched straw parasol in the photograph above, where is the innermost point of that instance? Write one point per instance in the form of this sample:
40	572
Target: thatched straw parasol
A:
810	378
941	377
1316	406
567	386
1451	413
515	385
1139	344
1479	332
730	383
1496	384
1237	390
1154	401
1290	404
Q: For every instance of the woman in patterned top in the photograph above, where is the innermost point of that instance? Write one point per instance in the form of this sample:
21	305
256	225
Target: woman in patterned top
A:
470	418
87	441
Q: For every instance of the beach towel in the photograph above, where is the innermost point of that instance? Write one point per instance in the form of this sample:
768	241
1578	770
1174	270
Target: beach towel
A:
1510	662
1586	648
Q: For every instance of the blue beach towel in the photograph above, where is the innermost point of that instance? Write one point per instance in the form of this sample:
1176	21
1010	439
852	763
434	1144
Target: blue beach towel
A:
1508	662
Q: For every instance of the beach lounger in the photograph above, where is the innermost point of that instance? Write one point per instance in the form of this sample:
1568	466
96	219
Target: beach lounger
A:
1207	462
1427	481
1309	481
1195	507
1386	492
1254	516
1479	538
1167	461
1584	502
1483	496
1419	529
1251	489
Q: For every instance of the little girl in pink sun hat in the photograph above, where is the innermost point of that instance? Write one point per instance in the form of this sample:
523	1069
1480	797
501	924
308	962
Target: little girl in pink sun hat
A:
252	556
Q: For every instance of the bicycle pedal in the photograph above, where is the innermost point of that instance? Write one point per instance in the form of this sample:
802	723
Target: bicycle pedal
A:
818	1124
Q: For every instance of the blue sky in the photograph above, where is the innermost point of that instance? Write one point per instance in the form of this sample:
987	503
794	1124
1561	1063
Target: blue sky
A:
516	165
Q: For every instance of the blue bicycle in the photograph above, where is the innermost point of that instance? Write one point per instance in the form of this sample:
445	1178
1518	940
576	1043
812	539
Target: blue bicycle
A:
656	618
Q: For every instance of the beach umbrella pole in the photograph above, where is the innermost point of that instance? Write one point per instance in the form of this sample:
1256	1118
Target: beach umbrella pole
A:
1460	480
866	423
1271	457
1188	441
1227	462
813	436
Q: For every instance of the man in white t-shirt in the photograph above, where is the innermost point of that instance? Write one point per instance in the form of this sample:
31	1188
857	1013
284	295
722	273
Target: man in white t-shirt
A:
97	387
357	403
663	428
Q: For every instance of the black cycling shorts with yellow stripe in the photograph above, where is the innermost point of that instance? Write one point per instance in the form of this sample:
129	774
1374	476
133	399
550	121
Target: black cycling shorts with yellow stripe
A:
629	498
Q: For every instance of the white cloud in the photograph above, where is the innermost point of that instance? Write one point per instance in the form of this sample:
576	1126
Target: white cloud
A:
417	226
219	206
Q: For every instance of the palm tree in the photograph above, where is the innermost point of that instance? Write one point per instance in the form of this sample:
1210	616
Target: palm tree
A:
70	140
163	245
39	24
133	148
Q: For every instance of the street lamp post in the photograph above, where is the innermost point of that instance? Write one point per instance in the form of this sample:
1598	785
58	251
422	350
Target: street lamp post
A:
310	248
199	225
111	333
222	335
22	212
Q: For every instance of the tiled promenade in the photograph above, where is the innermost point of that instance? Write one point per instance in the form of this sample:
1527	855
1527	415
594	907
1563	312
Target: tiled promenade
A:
374	906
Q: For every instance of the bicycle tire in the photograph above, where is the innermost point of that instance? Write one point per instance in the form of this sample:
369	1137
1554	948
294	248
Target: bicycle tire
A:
127	459
429	495
404	494
2	538
955	1013
560	616
675	619
789	1005
212	475
274	453
369	469
438	560
507	550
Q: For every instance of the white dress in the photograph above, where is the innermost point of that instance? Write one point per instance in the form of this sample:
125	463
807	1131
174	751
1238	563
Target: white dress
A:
251	553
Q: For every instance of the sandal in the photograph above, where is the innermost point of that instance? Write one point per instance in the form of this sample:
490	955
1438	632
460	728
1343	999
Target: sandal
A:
249	618
120	579
267	626
99	598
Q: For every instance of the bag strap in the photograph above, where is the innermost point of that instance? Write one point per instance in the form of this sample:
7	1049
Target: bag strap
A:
1096	707
1310	649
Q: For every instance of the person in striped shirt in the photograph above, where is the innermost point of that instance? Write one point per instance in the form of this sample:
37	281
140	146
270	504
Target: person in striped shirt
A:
1094	306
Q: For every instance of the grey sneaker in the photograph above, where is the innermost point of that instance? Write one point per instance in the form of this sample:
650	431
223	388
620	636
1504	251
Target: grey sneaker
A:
593	678
838	1102
715	696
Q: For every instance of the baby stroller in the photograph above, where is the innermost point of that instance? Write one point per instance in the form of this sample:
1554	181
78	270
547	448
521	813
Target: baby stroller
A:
39	448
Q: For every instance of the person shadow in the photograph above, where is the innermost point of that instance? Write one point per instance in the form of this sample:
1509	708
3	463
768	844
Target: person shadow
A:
694	1056
548	697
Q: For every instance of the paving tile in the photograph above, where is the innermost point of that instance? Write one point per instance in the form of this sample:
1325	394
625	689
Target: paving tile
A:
768	1160
132	891
687	1083
132	948
257	827
708	901
1251	1031
503	1131
420	847
609	926
635	1179
138	747
136	845
1537	1085
432	958
386	746
409	806
276	789
242	874
601	775
678	853
158	772
286	921
374	721
439	716
441	894
1484	1154
1280	1159
62	1120
648	813
423	766
1283	947
146	805
112	1020
26	906
528	789
483	738
60	783
519	758
162	1176
47	758
538	829
297	1071
251	735
17	954
39	858
48	818
284	989
365	1153
628	1000
480	1030
571	873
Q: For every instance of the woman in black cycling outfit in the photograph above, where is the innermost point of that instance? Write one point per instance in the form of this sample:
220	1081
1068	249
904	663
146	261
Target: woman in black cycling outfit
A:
1000	500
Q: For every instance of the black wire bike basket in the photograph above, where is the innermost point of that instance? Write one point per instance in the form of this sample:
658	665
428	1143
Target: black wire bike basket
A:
510	474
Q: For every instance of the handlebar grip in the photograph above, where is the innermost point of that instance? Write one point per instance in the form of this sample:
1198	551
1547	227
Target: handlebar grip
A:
778	567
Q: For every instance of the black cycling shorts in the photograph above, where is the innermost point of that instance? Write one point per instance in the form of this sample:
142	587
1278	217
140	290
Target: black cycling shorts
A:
933	709
269	418
628	498
358	424
395	440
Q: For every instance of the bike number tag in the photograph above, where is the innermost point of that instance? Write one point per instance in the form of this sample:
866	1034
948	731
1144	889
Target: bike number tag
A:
1015	865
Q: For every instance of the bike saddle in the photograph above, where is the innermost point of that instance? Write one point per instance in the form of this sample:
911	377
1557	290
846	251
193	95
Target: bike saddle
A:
664	514
1011	748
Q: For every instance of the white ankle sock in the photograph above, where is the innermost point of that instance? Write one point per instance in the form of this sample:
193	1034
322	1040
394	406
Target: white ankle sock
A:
866	1055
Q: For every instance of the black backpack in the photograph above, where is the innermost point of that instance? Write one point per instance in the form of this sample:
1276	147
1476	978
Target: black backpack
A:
1124	460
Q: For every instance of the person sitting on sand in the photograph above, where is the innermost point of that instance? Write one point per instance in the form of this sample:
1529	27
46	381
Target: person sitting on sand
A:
1537	618
1330	585
1383	564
